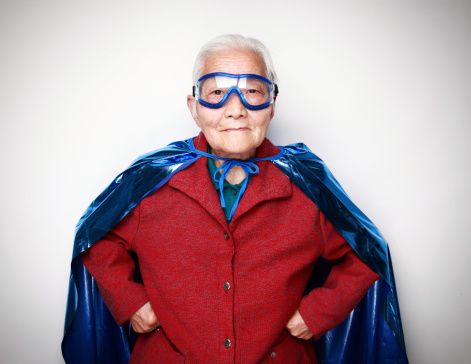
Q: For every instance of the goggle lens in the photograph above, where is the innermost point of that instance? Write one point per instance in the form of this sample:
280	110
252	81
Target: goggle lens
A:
256	92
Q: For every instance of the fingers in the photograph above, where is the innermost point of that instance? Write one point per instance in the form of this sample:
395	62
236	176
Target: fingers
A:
298	328
155	327
145	329
300	333
144	320
304	336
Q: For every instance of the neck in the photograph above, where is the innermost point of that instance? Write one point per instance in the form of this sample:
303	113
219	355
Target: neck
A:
235	176
240	156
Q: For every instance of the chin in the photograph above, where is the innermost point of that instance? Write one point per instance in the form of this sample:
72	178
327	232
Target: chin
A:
237	152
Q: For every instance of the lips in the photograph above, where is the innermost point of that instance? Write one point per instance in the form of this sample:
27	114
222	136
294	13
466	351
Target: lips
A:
236	129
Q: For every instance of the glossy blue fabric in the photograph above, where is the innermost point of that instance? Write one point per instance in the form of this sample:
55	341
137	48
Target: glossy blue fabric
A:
313	177
371	334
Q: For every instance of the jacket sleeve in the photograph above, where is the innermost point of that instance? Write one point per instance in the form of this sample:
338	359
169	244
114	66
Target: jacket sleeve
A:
348	281
109	262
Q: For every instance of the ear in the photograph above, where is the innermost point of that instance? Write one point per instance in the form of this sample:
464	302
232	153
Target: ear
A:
191	103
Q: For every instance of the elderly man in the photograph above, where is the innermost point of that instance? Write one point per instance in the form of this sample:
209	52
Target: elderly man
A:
226	245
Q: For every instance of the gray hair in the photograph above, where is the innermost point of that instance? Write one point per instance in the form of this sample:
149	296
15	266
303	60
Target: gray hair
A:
230	42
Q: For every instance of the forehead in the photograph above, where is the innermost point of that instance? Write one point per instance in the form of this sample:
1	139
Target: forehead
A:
235	61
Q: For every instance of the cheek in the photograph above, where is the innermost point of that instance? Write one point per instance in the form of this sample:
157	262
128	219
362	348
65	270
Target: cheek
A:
208	118
263	122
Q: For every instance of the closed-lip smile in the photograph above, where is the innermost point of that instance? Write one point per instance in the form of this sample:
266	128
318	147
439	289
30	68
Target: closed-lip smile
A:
236	129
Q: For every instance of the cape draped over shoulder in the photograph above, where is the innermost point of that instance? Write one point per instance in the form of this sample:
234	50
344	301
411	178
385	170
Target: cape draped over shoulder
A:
372	333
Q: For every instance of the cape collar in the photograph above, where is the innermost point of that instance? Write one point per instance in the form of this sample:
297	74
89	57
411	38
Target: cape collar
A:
196	182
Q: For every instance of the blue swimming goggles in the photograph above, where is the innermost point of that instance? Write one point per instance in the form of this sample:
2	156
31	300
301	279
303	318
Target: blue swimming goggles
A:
254	91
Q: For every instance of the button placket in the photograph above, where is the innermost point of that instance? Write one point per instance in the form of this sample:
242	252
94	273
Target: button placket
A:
226	311
226	285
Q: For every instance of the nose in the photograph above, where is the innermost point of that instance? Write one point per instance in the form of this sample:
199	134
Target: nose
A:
234	107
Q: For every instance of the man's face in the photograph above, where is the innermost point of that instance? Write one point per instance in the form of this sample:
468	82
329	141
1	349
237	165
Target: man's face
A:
232	131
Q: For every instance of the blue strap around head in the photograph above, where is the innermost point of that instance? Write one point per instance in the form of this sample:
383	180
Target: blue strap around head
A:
247	165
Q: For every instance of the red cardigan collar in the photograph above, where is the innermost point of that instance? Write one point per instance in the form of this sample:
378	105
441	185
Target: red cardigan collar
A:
269	183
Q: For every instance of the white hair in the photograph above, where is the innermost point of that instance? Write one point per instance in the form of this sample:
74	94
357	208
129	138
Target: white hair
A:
231	42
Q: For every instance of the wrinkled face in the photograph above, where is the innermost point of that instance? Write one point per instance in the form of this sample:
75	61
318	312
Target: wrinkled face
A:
232	131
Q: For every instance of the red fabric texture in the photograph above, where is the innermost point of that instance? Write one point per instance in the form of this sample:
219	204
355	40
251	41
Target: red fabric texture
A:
187	252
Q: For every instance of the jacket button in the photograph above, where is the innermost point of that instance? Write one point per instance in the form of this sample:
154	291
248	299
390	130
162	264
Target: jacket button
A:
273	355
226	285
227	343
226	235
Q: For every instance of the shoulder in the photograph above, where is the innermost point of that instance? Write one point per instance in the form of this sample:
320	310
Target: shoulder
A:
299	151
179	149
298	157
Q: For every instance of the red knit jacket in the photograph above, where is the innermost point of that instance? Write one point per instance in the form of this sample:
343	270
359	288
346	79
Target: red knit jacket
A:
209	281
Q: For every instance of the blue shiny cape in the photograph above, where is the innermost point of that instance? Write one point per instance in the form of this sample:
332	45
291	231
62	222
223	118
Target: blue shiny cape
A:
372	333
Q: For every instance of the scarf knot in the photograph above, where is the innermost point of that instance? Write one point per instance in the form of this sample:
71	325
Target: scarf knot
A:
248	166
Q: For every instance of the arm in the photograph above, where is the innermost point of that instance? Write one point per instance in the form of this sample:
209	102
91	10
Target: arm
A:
349	280
109	262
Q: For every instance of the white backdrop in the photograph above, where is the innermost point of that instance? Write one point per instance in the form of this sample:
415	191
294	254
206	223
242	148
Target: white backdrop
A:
379	89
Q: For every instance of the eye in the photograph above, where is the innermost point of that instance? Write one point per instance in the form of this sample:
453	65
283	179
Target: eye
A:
217	92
